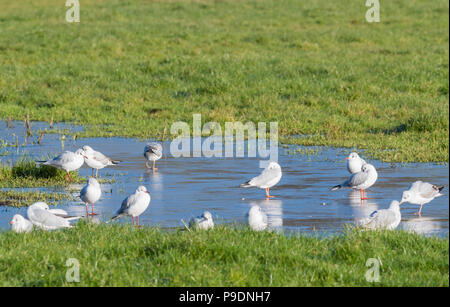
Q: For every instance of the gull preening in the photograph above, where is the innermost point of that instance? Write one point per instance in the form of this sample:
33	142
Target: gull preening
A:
384	218
134	205
90	193
38	214
361	180
354	163
96	160
269	177
421	193
257	219
152	152
205	221
68	161
20	224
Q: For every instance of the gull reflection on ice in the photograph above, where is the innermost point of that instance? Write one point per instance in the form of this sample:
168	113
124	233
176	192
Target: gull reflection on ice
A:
421	225
274	210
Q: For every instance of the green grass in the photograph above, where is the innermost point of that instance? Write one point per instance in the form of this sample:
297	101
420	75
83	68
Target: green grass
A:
121	255
20	198
25	173
316	67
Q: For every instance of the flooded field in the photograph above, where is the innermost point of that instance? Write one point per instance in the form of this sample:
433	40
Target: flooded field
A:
184	187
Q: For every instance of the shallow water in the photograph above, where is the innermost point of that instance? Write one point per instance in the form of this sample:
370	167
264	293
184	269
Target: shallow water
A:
184	187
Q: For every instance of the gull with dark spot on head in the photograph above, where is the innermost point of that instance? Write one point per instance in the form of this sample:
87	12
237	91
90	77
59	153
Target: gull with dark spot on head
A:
205	221
134	205
384	218
67	161
96	160
38	214
354	163
20	224
90	193
421	193
152	152
269	177
361	180
257	219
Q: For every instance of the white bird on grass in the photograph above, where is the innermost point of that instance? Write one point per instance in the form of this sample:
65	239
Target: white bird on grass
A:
67	161
20	224
96	160
257	219
361	180
152	152
383	219
205	221
269	177
91	193
421	193
38	214
354	163
134	205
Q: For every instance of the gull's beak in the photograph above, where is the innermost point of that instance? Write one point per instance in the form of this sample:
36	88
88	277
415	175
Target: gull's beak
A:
347	158
147	192
401	202
11	222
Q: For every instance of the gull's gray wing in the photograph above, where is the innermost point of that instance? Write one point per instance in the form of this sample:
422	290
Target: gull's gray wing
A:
356	179
379	218
264	177
44	218
154	148
427	190
62	159
98	156
127	203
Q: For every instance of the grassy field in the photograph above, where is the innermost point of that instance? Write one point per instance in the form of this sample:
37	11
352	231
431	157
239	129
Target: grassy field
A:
317	67
121	255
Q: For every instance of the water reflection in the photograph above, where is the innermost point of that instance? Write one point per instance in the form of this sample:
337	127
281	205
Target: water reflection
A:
274	210
422	225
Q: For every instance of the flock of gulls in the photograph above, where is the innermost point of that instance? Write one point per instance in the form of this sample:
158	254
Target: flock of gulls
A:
362	176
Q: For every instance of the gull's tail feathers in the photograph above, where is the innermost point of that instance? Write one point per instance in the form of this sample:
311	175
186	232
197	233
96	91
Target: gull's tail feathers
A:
246	184
336	187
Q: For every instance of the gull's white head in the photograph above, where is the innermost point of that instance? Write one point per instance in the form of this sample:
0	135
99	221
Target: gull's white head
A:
353	156
207	215
80	152
254	211
17	220
93	181
87	149
274	165
142	189
40	205
394	205
368	168
406	197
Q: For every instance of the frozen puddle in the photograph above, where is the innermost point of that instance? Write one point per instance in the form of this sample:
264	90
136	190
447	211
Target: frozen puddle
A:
185	187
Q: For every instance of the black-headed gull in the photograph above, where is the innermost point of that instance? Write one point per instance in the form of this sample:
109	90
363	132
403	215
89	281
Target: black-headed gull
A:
152	152
90	193
361	180
96	160
38	214
68	161
20	224
134	205
205	221
257	219
269	177
354	163
421	193
384	218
